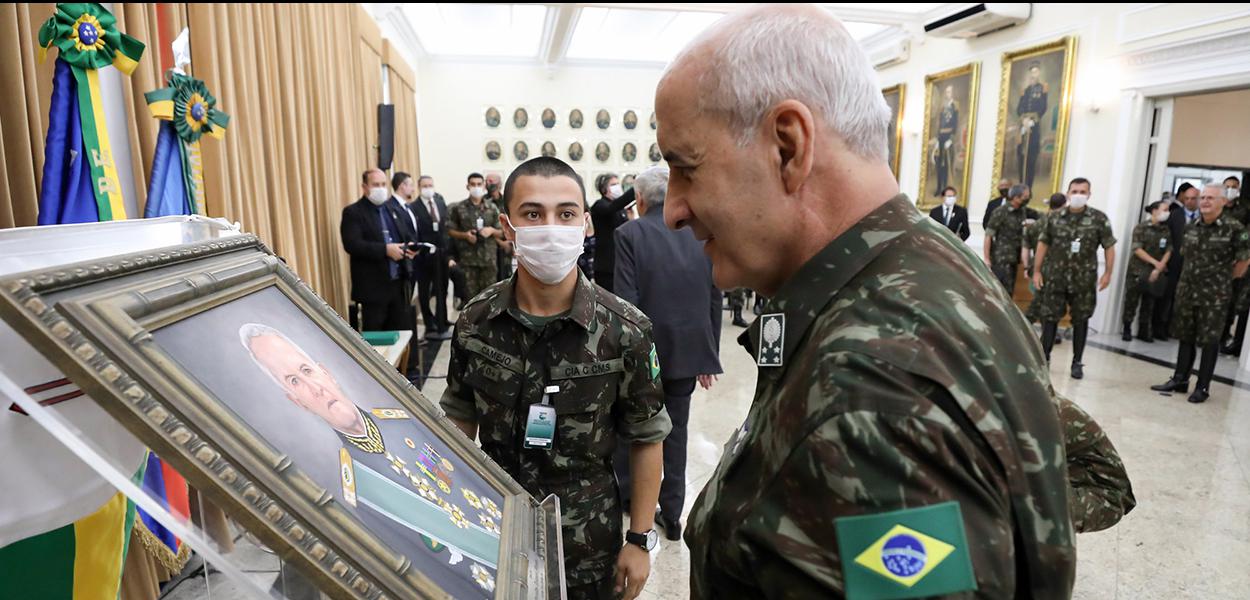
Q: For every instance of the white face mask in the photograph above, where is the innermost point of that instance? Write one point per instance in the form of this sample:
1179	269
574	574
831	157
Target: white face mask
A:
549	252
1232	193
1161	216
950	201
477	192
378	196
1078	201
427	193
615	191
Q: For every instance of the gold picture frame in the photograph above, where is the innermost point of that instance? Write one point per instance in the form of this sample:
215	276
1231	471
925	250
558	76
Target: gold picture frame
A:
952	163
895	96
1056	61
111	326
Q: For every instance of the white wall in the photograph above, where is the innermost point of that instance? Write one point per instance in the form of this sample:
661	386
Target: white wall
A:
452	99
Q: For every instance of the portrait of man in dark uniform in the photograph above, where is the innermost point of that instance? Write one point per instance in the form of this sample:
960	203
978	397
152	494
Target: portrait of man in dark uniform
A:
944	151
1030	108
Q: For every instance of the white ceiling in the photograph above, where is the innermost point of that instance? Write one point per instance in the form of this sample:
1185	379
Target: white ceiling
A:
594	33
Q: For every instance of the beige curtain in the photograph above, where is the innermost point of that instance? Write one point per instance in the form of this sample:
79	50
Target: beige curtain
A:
24	112
403	82
370	67
291	78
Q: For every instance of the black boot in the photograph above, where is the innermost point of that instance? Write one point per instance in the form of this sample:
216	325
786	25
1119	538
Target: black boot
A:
1206	371
1143	331
1048	338
1128	332
1080	331
1180	379
738	320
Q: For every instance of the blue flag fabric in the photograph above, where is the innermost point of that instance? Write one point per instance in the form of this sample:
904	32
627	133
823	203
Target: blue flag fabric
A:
66	195
154	484
167	192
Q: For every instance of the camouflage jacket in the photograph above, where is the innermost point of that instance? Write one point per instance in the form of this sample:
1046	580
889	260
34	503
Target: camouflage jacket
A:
1006	226
907	380
602	358
1155	239
1072	240
467	216
1210	251
1239	210
1099	492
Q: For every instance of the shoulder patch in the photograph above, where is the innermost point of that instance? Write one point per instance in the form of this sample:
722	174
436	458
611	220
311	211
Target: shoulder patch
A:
911	553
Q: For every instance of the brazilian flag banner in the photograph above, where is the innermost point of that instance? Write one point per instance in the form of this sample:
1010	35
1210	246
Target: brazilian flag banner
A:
188	112
78	156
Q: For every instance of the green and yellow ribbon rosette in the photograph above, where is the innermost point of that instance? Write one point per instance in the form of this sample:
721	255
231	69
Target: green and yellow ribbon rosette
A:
87	37
192	110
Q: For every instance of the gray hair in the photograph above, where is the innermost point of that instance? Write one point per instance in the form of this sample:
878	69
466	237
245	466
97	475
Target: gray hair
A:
652	185
251	331
780	55
1017	190
1217	185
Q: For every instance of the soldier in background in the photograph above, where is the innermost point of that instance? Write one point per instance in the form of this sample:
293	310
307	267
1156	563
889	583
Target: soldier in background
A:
1068	276
1031	232
1217	251
738	302
549	371
503	254
1239	310
473	225
1004	237
1152	247
870	434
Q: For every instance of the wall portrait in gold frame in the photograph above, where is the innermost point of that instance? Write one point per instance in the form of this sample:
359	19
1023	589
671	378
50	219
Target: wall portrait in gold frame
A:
1034	107
894	97
950	116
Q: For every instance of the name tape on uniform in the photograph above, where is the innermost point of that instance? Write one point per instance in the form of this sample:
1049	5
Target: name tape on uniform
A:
499	357
616	365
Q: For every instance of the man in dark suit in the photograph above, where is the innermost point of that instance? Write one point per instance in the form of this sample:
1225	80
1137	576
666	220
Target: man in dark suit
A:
1184	211
1004	186
375	231
666	274
432	267
951	214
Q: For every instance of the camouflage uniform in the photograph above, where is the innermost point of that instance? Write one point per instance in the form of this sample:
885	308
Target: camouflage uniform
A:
738	298
503	258
1205	288
1099	491
602	357
1031	233
1156	240
1006	227
906	380
478	260
1070	278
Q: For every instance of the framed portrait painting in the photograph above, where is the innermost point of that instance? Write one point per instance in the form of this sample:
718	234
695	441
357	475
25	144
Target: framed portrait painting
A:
950	116
894	97
1034	107
219	358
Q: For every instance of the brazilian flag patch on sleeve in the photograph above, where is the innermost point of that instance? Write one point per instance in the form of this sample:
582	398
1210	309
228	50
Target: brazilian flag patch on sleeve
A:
912	553
654	361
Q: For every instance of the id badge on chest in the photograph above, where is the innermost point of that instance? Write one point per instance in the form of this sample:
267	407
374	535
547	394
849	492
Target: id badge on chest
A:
540	425
1163	244
1076	246
480	222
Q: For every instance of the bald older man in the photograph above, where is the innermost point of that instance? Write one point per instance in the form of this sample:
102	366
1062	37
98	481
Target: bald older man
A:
902	441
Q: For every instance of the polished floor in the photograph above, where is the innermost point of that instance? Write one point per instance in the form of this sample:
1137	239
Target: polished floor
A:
1190	466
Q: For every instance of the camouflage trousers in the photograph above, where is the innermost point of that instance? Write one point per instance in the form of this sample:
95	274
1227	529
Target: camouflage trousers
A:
1078	300
1199	317
479	278
737	298
1005	273
1135	293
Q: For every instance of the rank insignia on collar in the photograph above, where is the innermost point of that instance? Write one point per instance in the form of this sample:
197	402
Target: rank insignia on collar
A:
772	340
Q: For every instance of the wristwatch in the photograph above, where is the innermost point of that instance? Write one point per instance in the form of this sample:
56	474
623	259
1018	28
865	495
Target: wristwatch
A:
646	540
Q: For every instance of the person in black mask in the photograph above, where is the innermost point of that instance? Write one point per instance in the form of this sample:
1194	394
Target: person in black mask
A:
1004	186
